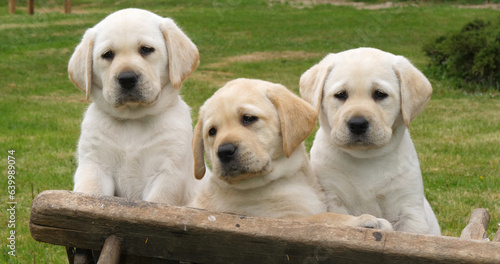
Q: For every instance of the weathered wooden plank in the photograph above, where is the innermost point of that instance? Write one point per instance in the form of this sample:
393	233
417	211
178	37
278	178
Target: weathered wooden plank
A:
180	233
497	235
478	224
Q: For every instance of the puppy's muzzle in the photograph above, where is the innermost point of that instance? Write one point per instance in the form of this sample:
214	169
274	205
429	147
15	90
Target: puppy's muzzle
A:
227	152
358	125
128	80
130	90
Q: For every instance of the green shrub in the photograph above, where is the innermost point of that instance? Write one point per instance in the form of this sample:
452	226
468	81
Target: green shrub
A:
471	57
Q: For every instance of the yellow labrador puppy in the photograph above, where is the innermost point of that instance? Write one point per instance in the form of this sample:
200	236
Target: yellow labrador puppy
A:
136	135
362	153
252	132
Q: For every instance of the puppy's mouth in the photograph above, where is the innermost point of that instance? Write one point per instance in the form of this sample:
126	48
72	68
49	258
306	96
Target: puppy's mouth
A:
133	100
358	130
237	176
131	87
235	172
361	143
235	166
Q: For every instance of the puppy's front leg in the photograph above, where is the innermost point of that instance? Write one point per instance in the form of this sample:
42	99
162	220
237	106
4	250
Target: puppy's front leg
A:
171	186
91	179
417	220
365	220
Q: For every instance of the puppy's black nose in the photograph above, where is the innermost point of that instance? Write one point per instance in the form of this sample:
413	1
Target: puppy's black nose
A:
227	152
128	80
358	125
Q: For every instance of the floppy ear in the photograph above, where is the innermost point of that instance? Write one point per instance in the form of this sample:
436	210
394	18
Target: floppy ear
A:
80	63
198	150
297	117
416	90
183	56
313	80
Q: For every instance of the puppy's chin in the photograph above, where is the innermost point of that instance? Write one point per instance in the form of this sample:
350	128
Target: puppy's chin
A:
376	139
234	176
363	147
360	144
136	109
132	103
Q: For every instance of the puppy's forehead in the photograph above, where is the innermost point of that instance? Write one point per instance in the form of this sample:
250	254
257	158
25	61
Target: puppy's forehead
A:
122	18
239	97
362	67
366	63
127	26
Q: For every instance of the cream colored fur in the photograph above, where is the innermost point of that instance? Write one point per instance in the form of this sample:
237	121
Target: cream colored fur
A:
376	172
269	174
135	142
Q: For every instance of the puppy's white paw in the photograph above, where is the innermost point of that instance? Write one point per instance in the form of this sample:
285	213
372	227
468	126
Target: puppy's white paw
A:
370	221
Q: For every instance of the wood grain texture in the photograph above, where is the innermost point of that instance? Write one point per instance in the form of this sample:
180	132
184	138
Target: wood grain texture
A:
497	235
111	250
478	224
180	233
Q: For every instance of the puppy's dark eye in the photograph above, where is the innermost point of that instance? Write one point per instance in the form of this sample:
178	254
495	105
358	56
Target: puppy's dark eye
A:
212	132
108	55
379	95
146	50
248	119
342	96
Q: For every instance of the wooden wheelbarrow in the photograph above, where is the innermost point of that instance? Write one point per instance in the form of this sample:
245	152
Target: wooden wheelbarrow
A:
142	232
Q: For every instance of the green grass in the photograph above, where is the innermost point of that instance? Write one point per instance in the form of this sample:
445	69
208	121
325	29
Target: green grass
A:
457	136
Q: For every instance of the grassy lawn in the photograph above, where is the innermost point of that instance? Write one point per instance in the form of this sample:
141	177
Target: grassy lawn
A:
457	136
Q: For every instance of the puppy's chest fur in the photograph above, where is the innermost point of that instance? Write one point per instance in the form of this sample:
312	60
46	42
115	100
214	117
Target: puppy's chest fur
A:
279	199
132	152
375	185
294	194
